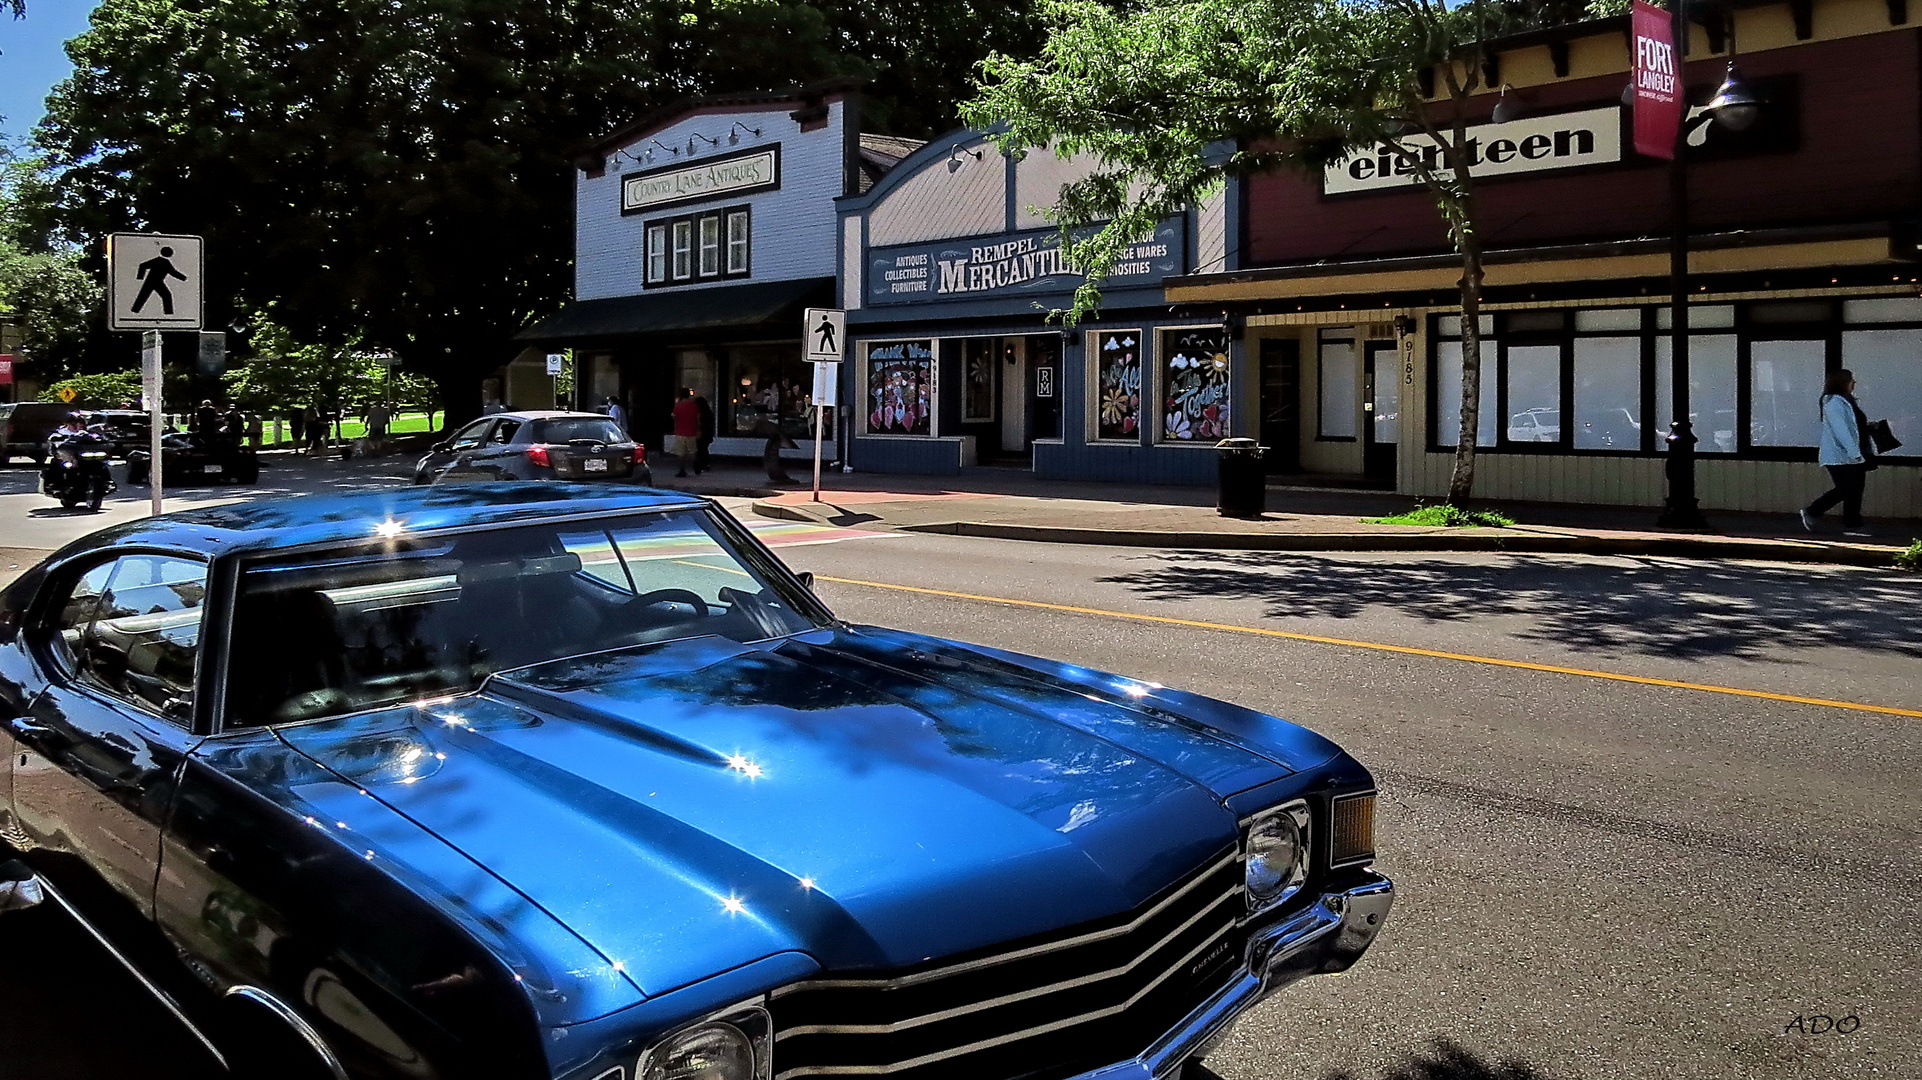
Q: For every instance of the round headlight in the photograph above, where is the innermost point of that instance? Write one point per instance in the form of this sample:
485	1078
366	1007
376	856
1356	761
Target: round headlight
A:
1274	857
707	1052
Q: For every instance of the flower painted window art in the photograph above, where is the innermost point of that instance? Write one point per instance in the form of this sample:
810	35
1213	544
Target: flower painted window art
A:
1118	385
901	388
1195	378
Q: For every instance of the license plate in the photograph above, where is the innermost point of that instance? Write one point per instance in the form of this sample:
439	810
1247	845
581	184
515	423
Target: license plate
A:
198	468
595	465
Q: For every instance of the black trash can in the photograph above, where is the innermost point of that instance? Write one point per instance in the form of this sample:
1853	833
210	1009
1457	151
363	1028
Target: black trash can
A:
1242	478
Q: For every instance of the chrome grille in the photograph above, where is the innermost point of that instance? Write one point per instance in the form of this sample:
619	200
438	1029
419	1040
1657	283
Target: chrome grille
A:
1099	994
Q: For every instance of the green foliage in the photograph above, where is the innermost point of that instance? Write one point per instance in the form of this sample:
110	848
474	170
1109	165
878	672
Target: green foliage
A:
1910	558
102	391
284	373
44	286
402	171
1447	516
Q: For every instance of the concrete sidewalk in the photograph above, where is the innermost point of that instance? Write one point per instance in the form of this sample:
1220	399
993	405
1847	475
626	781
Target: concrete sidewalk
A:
1011	504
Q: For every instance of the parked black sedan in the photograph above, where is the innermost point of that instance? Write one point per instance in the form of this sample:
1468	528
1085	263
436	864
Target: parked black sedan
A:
186	456
536	446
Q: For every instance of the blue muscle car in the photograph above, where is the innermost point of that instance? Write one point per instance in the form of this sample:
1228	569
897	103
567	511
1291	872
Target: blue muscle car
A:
517	781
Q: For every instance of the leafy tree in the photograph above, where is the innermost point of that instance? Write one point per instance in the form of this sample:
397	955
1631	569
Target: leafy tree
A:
99	391
284	373
399	170
44	287
1174	96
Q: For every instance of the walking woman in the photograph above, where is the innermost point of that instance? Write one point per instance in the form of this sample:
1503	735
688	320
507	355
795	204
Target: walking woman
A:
1843	452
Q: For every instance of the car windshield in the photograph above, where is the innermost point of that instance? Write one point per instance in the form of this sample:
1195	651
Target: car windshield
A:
334	632
600	429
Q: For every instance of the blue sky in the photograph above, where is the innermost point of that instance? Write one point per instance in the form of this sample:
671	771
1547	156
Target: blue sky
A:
32	60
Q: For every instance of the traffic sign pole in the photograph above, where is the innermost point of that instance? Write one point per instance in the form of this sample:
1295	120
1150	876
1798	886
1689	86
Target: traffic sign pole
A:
150	385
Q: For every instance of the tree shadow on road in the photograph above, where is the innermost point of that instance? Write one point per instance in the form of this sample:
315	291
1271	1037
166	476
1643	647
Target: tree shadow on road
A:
1448	1060
1644	606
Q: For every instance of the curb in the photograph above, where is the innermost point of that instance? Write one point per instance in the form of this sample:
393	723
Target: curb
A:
1451	541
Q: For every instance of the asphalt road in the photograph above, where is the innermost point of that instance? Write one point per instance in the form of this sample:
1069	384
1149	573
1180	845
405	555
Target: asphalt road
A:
1599	878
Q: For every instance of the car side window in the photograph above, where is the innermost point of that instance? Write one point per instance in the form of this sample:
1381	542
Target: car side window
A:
504	431
471	435
144	637
75	615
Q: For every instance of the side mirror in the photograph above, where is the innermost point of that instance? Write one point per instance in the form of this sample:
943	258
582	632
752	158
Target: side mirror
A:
807	579
19	888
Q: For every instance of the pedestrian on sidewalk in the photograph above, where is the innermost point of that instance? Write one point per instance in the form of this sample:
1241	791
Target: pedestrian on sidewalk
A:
1844	451
687	429
616	413
706	438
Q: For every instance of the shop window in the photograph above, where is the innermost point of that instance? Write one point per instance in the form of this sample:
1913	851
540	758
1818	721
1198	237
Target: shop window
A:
1785	382
710	254
1448	395
1882	309
1608	392
737	247
1195	385
1536	322
1451	325
1712	370
683	249
1534	394
977	388
771	385
1790	311
901	388
1385	417
1610	319
1708	317
1118	385
656	254
1887	365
1338	376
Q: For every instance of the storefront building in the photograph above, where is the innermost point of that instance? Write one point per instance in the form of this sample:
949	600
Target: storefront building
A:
950	272
701	234
1803	260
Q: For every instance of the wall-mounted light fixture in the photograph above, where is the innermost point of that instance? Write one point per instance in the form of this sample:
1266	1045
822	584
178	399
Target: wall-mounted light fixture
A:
703	138
652	143
1404	325
734	133
954	157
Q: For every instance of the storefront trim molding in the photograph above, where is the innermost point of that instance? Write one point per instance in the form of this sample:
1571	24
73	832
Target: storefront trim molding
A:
1499	274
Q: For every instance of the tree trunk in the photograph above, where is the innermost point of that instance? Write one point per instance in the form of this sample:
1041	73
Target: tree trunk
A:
1462	484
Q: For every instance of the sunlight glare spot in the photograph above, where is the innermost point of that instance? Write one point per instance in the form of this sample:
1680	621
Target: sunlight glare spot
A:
807	883
389	529
733	906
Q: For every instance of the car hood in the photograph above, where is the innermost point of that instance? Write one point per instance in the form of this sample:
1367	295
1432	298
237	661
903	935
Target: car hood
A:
873	800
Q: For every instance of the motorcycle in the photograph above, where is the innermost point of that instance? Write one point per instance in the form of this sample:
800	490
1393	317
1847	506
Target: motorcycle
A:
76	471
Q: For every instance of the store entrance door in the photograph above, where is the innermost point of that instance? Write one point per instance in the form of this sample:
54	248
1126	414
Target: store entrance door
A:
1381	401
1281	403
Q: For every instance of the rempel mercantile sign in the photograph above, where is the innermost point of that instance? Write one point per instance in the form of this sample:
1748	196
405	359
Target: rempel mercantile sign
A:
1531	144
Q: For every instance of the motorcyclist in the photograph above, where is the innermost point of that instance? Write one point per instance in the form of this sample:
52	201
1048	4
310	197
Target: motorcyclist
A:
73	429
75	424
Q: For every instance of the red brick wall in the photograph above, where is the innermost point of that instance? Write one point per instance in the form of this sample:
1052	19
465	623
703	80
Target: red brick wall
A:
1859	158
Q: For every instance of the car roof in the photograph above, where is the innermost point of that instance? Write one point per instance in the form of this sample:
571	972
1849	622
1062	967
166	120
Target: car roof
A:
274	524
548	414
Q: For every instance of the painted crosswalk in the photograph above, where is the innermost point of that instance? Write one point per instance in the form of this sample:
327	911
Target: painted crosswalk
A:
796	534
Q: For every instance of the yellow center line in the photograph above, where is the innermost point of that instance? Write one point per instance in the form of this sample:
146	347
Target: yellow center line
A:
1468	658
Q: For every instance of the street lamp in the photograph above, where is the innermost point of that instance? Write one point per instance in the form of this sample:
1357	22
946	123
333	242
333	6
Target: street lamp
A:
1735	107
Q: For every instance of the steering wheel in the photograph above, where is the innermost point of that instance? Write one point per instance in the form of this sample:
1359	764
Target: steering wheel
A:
683	596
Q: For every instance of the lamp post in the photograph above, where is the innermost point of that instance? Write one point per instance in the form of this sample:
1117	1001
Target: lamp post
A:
1735	108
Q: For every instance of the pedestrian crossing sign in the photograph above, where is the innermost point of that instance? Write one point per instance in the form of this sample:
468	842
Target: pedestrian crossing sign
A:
154	281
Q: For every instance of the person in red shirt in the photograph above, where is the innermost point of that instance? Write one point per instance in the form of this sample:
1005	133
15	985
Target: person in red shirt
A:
687	428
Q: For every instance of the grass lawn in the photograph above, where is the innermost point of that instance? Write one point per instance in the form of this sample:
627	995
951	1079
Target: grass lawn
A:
403	424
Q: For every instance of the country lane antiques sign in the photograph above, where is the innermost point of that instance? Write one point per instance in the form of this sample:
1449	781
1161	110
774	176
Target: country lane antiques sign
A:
726	176
1015	264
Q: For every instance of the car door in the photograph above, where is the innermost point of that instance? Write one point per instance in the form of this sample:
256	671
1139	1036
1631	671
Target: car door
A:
497	455
456	462
99	753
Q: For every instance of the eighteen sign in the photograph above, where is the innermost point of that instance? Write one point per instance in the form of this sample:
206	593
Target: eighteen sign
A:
1532	144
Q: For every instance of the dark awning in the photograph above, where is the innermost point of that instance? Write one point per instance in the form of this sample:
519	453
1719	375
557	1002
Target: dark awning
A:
734	311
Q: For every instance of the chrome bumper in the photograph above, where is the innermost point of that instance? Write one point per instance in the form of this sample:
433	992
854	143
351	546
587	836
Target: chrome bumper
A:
1328	936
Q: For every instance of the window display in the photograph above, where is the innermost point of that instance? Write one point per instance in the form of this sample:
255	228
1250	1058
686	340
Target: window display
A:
901	388
1195	378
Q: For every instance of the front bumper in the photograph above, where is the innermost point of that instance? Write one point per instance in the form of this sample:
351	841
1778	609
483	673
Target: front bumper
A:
1327	936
